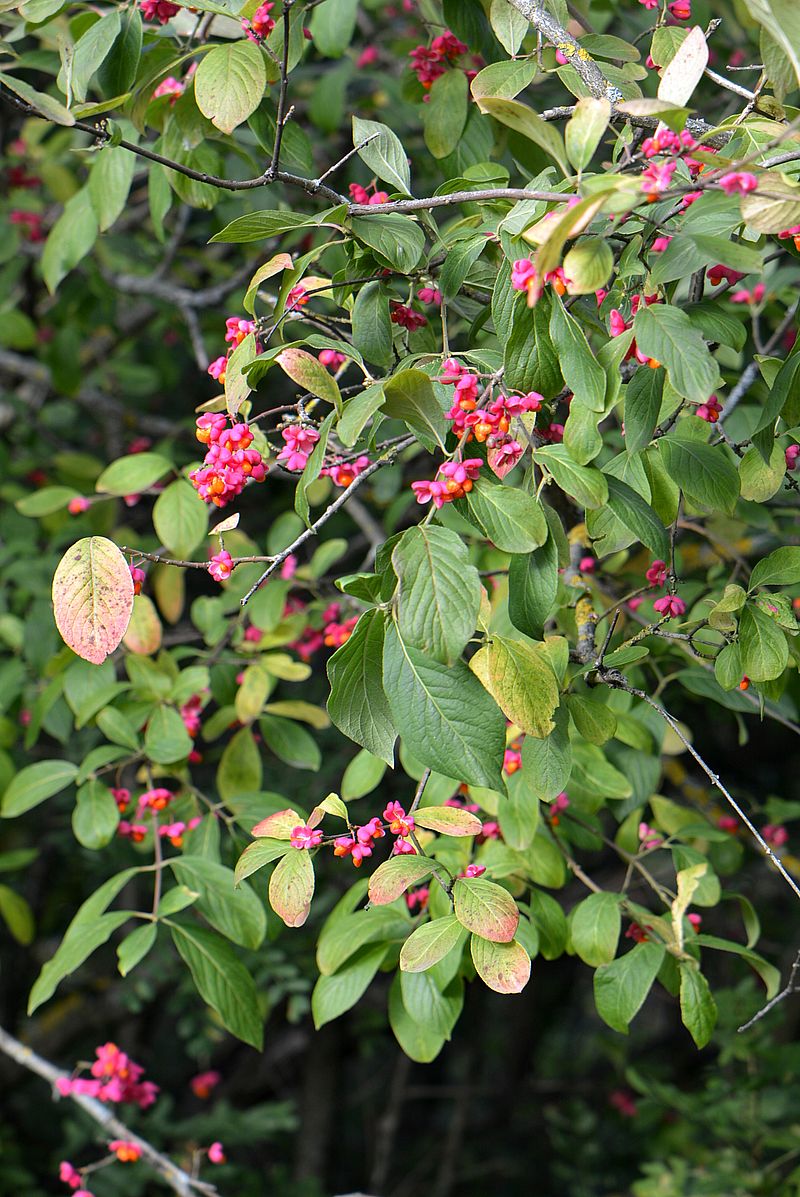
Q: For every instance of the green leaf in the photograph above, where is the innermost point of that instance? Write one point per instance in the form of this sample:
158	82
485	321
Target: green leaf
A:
236	913
180	518
222	980
513	520
418	1040
88	930
17	915
781	20
96	816
642	405
132	474
485	908
70	239
595	928
444	714
519	813
428	1005
166	739
505	79
91	51
458	263
532	587
291	887
763	647
621	987
665	333
397	240
593	719
372	335
38	100
583	374
547	764
410	397
135	947
588	267
259	854
362	775
439	592
780	568
384	153
430	943
239	769
118	70
637	516
584	483
110	183
395	875
445	114
584	129
698	1008
333	25
358	704
229	83
509	26
257	226
45	501
290	742
530	359
524	120
34	784
703	472
523	684
333	996
759	480
504	967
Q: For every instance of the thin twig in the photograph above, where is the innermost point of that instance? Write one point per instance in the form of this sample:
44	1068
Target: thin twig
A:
789	989
326	515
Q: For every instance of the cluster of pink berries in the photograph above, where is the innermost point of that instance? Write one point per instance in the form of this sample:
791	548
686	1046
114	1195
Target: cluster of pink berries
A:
361	195
299	444
791	234
30	223
115	1079
524	277
331	360
405	316
154	801
670	604
792	454
342	473
430	62
158	10
743	295
260	24
681	10
236	329
171	87
229	463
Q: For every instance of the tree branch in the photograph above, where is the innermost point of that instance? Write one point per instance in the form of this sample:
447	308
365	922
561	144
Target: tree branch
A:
179	1181
790	988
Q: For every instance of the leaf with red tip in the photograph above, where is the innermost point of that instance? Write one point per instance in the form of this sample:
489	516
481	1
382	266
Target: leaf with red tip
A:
278	826
304	369
395	875
504	967
448	820
485	908
93	598
291	888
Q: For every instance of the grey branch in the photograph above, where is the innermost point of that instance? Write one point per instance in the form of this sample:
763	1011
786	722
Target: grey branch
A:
179	1181
790	988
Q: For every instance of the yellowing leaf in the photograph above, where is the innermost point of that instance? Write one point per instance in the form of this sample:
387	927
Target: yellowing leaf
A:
395	875
144	630
523	685
485	908
504	967
685	70
92	598
291	888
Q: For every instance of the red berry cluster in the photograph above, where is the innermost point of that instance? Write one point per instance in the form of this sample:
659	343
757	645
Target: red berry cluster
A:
229	462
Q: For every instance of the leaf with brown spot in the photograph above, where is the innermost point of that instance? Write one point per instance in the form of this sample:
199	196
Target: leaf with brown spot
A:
92	598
